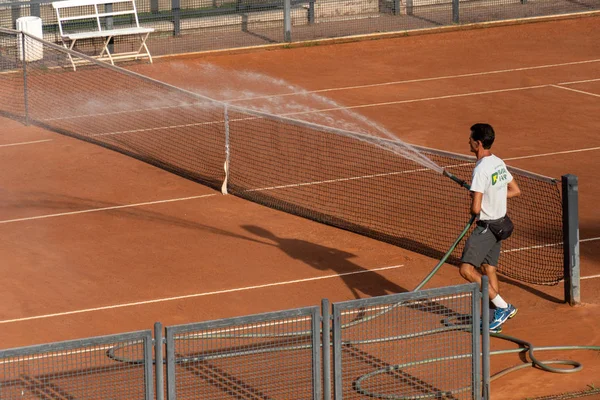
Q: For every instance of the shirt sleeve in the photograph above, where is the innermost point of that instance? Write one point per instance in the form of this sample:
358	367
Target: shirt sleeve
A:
480	181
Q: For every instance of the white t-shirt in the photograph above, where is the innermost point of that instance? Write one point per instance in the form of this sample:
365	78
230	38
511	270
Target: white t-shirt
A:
491	177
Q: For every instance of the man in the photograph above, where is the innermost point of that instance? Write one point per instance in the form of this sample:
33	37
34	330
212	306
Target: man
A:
491	185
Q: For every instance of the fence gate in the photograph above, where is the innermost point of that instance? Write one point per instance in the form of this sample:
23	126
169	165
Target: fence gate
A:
419	345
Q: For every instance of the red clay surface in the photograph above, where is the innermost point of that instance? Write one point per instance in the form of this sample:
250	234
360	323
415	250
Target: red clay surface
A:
74	275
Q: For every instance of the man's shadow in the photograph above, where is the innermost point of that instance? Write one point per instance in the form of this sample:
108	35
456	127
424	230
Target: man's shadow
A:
358	279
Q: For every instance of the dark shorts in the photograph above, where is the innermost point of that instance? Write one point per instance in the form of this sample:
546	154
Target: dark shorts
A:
482	247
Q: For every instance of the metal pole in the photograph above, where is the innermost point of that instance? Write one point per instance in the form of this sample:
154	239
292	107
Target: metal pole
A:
170	353
485	337
108	7
158	361
570	197
25	89
311	12
176	8
337	354
326	315
287	21
455	11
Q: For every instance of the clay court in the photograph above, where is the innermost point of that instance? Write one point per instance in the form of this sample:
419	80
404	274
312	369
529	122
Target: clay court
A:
96	243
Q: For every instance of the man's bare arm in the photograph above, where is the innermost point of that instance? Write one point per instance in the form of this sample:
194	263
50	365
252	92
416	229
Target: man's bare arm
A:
513	189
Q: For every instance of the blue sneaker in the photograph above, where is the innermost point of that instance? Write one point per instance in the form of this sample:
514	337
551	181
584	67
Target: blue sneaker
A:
501	315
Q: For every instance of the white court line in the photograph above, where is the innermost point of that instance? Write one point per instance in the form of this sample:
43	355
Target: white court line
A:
575	90
435	78
450	96
551	154
546	245
590	277
576	82
24	143
7	221
190	296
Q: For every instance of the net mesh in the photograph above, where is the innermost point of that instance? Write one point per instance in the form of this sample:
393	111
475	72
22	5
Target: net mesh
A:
348	180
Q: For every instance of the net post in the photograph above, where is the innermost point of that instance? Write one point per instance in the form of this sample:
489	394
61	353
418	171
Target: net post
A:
570	211
158	363
326	316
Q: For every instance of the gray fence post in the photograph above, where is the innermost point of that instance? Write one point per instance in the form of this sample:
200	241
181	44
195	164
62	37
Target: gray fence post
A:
326	315
485	338
455	12
154	9
570	197
108	7
170	356
409	7
337	354
25	97
35	9
287	21
311	12
176	9
158	361
396	7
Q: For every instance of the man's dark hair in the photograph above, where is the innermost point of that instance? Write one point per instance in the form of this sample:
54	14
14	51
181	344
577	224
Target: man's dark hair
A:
483	133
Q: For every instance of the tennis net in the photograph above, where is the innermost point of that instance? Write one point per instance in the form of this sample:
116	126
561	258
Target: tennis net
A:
352	181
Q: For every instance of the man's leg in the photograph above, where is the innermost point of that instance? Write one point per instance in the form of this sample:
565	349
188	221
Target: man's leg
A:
469	272
490	271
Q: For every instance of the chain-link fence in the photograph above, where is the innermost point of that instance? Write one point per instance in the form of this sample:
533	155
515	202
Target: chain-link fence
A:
182	26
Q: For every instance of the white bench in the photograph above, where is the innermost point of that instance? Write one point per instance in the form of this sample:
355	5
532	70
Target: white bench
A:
90	15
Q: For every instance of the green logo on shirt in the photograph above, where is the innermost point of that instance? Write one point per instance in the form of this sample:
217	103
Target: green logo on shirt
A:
494	178
499	176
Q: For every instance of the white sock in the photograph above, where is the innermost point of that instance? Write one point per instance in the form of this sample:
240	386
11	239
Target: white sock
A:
499	302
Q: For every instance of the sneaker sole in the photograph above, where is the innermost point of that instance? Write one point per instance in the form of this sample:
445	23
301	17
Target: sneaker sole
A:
512	314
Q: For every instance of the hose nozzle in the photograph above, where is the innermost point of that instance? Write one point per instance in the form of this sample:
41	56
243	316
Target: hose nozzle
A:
456	179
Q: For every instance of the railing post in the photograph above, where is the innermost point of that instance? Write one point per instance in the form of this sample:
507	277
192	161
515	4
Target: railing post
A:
326	315
570	198
158	361
485	338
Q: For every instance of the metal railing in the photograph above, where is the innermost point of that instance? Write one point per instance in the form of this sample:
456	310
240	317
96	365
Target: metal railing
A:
183	26
419	344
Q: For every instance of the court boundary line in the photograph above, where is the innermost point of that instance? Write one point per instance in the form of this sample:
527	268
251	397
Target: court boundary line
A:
25	143
575	90
211	293
195	295
90	210
433	78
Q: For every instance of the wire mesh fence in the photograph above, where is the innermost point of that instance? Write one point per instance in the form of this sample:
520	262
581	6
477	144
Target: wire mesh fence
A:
80	369
182	26
414	345
266	356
